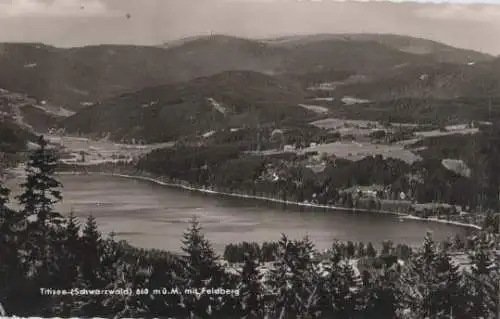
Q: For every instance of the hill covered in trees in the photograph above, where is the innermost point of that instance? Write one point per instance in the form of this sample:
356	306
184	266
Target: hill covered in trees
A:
74	77
232	99
433	111
228	168
438	81
41	248
439	51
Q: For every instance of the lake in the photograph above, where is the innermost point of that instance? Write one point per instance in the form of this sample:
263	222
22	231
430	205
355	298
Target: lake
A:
154	216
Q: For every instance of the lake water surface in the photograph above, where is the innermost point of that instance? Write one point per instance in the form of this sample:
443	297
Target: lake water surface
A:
154	216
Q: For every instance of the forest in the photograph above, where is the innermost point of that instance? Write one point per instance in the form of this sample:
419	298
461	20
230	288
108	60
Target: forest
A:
229	168
49	258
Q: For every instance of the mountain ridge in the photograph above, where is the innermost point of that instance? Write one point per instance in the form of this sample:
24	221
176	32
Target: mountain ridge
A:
77	77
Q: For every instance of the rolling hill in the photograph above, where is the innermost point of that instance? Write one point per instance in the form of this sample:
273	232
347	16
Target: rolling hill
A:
78	77
440	81
72	77
165	113
438	51
28	114
439	112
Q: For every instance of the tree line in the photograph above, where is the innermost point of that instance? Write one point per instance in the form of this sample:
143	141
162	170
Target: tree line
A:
228	167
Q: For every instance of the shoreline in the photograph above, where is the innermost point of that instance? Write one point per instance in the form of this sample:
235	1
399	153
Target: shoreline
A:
274	200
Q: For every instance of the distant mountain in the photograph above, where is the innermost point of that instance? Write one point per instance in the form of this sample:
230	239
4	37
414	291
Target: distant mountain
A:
217	53
439	51
78	77
72	77
164	113
441	81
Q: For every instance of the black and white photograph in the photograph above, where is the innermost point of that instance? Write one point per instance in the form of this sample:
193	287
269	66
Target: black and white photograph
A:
250	159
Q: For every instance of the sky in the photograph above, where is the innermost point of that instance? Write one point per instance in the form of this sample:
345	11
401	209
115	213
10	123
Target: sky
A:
147	22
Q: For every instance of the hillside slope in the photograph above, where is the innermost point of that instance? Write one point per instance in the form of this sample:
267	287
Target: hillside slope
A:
165	113
442	81
78	77
72	77
438	51
28	114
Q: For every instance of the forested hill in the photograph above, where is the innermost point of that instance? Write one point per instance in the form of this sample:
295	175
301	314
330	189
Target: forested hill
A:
439	51
164	113
289	176
76	77
440	81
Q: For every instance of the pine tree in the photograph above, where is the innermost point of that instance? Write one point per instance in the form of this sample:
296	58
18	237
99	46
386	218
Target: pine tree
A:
361	250
350	249
370	251
338	297
91	245
90	267
380	295
483	278
201	271
418	281
251	290
450	292
69	252
199	254
4	195
72	248
41	191
294	280
387	248
8	255
6	219
13	263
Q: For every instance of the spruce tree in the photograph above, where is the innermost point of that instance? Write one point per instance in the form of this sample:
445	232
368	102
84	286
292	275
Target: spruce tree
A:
361	250
41	191
370	250
387	248
294	280
432	285
350	249
200	257
8	248
483	278
380	295
418	281
252	296
4	195
14	265
201	271
72	249
68	249
91	247
450	293
338	299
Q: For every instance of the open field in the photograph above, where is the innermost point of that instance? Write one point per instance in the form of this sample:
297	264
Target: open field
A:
436	133
336	123
101	150
315	108
349	100
355	151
